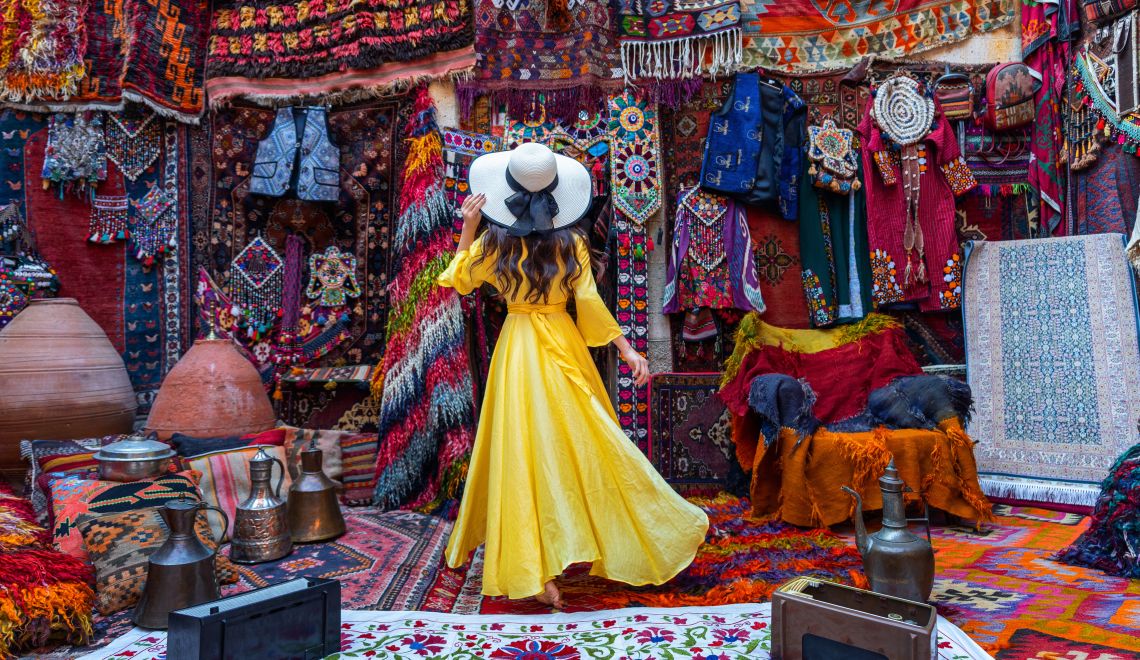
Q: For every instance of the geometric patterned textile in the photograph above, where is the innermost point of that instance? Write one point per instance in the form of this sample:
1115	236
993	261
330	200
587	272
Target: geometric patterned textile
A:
1001	585
690	439
385	561
1053	362
743	560
729	631
804	35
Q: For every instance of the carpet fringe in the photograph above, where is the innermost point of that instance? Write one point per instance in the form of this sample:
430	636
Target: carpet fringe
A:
1039	491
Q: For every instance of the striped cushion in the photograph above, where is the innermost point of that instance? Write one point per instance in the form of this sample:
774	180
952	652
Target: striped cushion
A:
33	450
358	463
75	500
225	480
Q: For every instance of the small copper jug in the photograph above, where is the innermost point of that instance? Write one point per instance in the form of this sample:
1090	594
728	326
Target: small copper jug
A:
314	511
261	527
181	572
897	562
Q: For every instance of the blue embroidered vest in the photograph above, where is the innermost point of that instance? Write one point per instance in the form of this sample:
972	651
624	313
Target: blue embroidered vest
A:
275	168
732	148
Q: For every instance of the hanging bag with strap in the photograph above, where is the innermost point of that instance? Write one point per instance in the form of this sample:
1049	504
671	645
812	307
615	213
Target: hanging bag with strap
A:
1010	91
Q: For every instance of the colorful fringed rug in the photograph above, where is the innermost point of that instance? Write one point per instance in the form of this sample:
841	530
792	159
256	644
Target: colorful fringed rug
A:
720	633
42	45
690	432
44	594
1053	360
741	561
809	34
1002	586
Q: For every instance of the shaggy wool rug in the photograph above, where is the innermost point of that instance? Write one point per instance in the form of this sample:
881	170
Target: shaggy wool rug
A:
724	632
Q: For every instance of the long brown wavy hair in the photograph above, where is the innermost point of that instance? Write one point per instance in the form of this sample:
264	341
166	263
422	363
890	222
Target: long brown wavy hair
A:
545	257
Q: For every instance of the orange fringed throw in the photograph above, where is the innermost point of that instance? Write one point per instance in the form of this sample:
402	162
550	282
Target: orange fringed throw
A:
801	484
45	595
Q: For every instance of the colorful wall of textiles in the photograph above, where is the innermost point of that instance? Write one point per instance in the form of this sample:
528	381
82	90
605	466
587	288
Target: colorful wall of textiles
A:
182	167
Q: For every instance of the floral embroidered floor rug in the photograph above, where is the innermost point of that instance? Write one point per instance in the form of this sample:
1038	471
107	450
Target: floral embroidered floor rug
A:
725	632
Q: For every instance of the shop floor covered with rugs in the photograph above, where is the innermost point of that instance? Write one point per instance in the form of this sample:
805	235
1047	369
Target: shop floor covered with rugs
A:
570	328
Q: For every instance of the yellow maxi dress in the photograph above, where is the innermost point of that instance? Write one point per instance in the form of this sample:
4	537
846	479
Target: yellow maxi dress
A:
553	479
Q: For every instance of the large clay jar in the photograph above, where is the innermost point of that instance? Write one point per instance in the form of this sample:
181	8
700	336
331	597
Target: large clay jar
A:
60	379
212	391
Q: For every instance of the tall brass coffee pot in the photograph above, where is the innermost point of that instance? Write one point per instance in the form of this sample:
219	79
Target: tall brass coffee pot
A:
181	572
314	512
261	527
897	562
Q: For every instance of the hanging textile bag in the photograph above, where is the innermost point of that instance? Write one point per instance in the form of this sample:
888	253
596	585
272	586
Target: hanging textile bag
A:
955	94
1010	91
1102	11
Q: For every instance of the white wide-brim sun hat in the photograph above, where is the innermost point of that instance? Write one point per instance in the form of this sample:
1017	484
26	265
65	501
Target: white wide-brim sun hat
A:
533	167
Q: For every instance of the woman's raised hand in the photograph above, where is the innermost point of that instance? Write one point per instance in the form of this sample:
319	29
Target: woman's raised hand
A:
472	207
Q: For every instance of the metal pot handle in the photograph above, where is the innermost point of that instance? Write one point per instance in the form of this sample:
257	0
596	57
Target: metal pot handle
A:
202	506
280	480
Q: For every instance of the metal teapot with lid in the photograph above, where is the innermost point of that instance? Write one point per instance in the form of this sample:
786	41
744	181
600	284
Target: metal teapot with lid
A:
261	526
181	573
897	562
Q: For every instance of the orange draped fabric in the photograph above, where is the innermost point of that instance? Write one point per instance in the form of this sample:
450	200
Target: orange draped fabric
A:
801	484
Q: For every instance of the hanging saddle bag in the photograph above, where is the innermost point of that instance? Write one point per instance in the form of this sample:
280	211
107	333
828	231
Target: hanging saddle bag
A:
1010	91
1100	12
955	94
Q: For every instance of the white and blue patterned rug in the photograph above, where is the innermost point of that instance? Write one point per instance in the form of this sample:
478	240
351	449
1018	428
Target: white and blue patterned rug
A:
1052	358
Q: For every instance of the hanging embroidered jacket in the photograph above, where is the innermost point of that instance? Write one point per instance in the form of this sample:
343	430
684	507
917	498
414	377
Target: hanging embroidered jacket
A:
753	149
711	264
275	168
833	254
939	284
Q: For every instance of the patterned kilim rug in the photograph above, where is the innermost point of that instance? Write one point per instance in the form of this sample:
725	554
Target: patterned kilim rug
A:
720	633
1003	588
811	34
1051	348
690	434
742	561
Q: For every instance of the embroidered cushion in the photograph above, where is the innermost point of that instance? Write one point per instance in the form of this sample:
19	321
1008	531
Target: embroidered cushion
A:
358	464
75	500
119	546
296	440
188	445
33	450
225	481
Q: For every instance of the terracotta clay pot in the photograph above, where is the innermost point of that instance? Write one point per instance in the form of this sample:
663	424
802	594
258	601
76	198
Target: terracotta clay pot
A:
60	379
212	391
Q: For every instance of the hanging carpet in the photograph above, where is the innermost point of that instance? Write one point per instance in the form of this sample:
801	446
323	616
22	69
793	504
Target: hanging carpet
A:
1052	358
805	35
264	50
42	46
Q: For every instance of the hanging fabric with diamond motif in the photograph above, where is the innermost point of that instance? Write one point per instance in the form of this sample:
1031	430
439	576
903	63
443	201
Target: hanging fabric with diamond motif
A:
256	284
134	141
155	225
635	178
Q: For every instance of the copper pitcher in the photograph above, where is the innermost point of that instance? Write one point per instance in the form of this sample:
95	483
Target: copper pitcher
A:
314	511
181	573
897	562
261	526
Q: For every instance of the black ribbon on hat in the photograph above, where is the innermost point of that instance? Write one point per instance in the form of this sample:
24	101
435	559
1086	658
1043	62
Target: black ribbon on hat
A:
535	210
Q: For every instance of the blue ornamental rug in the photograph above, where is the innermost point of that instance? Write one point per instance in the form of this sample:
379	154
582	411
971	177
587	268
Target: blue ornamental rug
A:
1052	358
690	433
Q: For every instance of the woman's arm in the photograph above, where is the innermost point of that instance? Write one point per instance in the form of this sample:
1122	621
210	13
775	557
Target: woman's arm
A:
638	364
472	216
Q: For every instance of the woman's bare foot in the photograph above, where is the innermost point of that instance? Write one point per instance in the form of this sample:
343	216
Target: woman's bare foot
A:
550	596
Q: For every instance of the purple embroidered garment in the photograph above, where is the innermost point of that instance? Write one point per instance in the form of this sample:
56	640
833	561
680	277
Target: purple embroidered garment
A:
711	263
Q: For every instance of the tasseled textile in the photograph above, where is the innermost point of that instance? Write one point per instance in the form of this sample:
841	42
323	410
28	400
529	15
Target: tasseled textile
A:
45	595
1112	541
427	409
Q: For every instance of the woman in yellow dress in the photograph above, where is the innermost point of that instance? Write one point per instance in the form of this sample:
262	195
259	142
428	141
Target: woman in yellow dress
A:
553	479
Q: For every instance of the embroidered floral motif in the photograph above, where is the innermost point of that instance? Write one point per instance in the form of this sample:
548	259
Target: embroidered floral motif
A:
771	259
819	311
951	296
885	287
959	176
888	164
